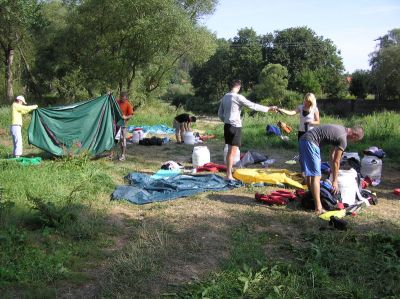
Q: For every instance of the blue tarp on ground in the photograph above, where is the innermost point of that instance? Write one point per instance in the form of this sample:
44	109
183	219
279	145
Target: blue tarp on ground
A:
144	189
156	129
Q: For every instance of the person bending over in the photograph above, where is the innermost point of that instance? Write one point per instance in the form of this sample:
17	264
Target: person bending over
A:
181	125
310	155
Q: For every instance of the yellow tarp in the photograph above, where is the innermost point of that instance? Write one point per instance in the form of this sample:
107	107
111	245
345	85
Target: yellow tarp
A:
270	176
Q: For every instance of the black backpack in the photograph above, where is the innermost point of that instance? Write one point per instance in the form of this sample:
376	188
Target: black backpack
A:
328	200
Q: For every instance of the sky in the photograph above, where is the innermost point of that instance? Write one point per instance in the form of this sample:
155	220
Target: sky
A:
352	25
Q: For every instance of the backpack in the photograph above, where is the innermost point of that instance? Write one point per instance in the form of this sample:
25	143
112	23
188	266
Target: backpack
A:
328	200
273	130
284	127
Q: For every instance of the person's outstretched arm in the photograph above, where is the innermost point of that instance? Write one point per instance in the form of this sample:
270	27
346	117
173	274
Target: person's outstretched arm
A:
288	112
23	109
257	107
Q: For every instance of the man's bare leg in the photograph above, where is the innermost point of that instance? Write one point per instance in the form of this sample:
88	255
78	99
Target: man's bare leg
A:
315	191
232	150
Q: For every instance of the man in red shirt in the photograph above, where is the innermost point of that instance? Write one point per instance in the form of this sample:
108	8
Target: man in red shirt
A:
127	113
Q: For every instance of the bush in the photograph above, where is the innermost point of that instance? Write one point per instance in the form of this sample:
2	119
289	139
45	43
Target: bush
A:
273	82
307	81
70	87
360	84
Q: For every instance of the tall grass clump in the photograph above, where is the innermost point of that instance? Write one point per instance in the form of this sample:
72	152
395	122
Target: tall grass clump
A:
155	112
381	130
52	219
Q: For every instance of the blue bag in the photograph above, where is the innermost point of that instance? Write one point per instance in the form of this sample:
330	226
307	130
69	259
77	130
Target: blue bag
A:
273	130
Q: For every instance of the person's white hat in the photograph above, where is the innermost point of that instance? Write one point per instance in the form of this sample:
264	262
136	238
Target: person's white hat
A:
21	98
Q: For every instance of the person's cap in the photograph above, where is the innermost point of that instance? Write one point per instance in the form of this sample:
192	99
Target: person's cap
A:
21	98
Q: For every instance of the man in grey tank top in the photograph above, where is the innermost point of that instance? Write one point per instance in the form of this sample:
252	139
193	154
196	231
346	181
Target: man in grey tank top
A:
310	155
229	112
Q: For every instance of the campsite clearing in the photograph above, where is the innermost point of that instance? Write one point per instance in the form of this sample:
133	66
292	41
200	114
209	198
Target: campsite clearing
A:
187	246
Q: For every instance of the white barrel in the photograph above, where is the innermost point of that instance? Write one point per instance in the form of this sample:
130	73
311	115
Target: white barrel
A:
236	158
200	156
371	167
135	136
348	155
347	182
141	134
188	138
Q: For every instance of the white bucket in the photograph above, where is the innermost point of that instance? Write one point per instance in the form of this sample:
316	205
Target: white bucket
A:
200	156
348	155
347	181
371	166
236	158
135	137
141	134
188	138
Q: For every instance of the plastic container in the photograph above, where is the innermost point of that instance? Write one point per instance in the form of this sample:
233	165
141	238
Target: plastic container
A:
371	167
135	136
236	158
347	182
141	134
200	156
348	155
188	138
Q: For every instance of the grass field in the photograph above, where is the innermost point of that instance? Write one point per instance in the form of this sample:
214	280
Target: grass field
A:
62	237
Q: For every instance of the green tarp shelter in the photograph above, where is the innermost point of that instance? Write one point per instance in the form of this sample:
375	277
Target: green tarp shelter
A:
88	126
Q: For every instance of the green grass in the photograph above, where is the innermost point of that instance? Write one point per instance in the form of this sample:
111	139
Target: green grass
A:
51	220
332	264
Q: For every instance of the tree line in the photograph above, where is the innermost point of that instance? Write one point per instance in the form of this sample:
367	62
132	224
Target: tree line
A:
78	48
75	49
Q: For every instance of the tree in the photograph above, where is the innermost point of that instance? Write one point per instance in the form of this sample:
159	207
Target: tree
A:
308	81
194	44
385	63
246	57
360	84
198	8
113	41
17	17
52	56
299	50
273	83
210	79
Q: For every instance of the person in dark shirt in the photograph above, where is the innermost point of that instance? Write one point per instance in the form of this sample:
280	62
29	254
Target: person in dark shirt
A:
181	125
310	155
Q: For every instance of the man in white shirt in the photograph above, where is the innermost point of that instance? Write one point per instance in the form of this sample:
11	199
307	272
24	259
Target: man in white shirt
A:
229	112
